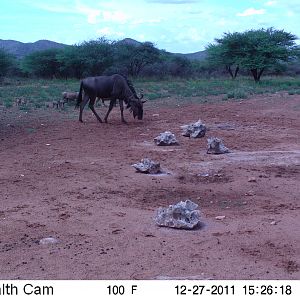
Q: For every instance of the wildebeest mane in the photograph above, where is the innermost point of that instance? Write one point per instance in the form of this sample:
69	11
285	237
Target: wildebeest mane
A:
130	85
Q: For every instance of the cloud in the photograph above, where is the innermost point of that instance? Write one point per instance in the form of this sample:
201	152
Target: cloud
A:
143	21
250	12
270	3
115	16
93	15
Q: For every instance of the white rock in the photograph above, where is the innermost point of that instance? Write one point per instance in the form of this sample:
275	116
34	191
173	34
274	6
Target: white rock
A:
181	215
166	138
216	146
147	166
220	217
194	130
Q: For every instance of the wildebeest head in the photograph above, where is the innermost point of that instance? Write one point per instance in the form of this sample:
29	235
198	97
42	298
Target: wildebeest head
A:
136	106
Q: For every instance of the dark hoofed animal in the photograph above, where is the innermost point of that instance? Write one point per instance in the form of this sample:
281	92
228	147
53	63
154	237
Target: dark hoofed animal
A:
113	87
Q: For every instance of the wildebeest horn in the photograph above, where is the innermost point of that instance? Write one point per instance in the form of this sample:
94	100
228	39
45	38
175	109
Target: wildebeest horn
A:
141	97
144	101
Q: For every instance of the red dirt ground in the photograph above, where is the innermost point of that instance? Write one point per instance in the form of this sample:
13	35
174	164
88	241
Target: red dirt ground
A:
74	182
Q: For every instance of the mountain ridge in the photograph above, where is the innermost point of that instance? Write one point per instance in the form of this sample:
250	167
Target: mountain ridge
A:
20	49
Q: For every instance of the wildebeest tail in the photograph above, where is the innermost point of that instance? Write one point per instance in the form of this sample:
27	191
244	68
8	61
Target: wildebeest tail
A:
79	98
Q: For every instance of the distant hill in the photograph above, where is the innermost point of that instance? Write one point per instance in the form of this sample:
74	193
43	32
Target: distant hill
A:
129	41
20	49
200	55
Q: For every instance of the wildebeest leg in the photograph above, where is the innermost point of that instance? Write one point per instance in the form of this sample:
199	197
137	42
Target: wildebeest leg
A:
92	108
122	109
82	105
111	105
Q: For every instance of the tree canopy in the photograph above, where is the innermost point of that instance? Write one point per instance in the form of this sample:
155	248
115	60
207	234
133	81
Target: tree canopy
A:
226	52
254	50
134	58
42	63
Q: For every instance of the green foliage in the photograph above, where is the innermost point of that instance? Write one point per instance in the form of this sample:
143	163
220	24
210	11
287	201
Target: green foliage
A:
134	58
226	53
71	62
264	48
294	92
38	93
238	93
96	56
6	62
254	50
42	63
91	58
195	90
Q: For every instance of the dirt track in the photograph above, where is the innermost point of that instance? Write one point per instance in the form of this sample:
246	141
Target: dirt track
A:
74	182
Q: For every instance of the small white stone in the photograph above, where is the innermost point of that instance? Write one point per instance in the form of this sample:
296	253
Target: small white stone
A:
251	179
48	240
220	217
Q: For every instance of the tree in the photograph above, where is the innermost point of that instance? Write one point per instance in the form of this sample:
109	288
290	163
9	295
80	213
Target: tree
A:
136	57
264	48
254	50
180	66
6	62
97	56
226	53
42	63
91	58
71	62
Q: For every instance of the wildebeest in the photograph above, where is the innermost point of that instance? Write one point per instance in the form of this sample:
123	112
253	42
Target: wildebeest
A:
113	87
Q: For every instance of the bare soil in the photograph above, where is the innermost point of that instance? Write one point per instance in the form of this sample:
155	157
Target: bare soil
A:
74	182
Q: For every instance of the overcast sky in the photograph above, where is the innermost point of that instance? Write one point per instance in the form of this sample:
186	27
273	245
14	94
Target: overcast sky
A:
174	25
